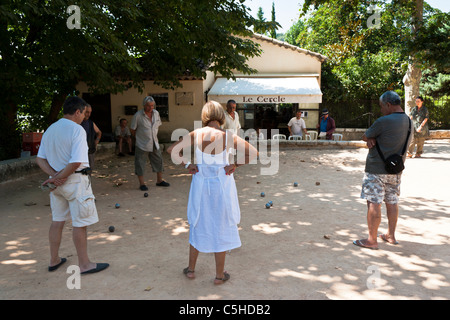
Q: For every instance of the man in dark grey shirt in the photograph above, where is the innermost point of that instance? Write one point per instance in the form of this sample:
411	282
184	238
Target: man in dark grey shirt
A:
390	132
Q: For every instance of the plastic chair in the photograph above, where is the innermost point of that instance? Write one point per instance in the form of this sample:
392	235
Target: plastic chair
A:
337	136
312	135
279	137
295	137
253	136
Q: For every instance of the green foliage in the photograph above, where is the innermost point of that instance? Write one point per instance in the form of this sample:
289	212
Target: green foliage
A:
369	74
435	84
273	31
261	26
433	42
438	109
119	44
364	61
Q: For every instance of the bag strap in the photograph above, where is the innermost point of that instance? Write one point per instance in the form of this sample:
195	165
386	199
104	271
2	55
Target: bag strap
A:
404	147
379	151
407	137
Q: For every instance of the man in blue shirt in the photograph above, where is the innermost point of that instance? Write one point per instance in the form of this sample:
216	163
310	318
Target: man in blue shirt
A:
326	126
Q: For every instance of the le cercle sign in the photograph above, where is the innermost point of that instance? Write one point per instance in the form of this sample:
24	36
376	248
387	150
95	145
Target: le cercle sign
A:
263	99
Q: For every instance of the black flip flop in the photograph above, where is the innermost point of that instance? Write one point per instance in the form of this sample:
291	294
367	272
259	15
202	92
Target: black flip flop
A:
99	267
56	266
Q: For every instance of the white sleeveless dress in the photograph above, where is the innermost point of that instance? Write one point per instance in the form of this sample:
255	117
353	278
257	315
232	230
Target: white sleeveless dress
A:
213	209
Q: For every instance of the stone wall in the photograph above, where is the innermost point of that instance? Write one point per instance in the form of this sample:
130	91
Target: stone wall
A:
18	168
350	134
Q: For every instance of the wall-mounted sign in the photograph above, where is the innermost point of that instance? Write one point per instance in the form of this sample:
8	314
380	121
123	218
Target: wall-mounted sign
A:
184	98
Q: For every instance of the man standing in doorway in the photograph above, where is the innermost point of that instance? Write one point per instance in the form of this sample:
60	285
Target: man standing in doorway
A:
390	133
144	126
297	125
419	116
93	134
232	118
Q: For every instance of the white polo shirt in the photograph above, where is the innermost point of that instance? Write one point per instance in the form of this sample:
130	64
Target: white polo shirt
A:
297	125
64	142
232	124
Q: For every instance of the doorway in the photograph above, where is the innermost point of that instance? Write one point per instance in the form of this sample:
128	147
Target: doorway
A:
273	118
101	113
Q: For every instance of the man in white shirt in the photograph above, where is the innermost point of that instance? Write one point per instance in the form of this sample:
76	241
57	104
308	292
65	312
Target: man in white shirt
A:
297	125
63	155
232	118
144	126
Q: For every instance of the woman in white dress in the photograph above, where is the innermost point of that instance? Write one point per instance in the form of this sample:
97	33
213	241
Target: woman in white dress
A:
213	208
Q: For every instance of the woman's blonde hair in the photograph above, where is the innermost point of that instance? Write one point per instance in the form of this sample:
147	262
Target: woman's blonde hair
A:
213	111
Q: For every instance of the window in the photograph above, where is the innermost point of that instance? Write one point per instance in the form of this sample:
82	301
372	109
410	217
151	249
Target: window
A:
162	104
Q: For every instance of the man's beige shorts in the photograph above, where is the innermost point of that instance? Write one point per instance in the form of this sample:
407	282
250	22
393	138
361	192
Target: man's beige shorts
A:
379	187
74	198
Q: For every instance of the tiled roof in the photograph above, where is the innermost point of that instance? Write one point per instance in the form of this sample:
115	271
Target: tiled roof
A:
286	45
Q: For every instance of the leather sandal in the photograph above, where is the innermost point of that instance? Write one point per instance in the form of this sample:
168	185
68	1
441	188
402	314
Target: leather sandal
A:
189	273
226	276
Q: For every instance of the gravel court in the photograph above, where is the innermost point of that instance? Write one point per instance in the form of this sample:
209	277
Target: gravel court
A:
300	248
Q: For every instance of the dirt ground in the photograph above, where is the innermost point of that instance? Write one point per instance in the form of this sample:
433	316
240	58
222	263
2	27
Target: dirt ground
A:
301	248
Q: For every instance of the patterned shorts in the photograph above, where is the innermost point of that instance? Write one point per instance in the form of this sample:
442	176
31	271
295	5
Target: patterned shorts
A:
379	187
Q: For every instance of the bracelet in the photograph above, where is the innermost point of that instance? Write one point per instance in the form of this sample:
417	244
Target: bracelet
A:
187	164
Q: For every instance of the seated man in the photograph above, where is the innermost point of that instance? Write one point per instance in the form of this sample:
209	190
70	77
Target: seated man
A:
122	134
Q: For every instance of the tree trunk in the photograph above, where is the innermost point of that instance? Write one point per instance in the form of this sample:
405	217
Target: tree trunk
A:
56	106
412	78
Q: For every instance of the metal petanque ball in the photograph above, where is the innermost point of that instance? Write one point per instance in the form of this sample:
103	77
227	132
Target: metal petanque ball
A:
117	206
271	203
146	194
111	228
263	194
295	184
268	206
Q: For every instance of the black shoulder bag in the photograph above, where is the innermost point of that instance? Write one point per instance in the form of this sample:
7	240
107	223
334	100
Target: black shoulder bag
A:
394	163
